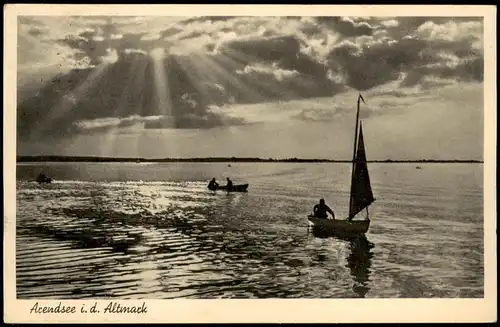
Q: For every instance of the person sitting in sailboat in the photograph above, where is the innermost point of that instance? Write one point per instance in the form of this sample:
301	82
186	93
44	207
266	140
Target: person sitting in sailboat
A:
321	210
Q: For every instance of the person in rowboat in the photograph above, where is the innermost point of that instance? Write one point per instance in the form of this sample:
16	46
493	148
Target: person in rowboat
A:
229	184
321	210
42	178
213	184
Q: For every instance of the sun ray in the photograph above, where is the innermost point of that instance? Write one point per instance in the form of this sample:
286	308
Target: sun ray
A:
164	101
69	100
215	72
196	77
163	93
108	146
236	58
139	82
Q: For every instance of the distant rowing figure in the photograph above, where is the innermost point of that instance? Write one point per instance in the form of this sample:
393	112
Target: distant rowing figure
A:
361	195
43	179
229	187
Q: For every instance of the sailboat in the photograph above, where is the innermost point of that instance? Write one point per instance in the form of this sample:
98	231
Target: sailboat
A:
361	194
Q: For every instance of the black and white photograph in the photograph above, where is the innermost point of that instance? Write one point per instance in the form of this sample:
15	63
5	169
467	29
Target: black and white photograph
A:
248	156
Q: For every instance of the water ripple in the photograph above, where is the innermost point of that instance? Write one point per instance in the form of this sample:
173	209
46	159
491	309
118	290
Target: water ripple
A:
138	238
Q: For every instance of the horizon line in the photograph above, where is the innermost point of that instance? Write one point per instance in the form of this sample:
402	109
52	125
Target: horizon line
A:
31	158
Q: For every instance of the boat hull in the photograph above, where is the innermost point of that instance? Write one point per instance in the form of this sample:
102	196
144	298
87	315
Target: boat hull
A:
46	180
235	188
341	227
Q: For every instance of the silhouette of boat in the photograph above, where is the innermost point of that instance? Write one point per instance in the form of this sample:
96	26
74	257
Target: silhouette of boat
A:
361	195
235	188
42	179
341	227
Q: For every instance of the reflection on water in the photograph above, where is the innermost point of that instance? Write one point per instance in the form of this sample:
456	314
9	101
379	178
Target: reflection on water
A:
136	238
359	262
358	258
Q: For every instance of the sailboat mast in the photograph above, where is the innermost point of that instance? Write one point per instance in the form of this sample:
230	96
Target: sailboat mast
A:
356	130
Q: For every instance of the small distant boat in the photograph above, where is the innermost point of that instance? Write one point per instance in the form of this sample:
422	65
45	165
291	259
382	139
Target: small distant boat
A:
418	167
235	188
361	195
42	179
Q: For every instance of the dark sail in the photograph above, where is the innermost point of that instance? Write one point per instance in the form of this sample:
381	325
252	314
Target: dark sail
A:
361	190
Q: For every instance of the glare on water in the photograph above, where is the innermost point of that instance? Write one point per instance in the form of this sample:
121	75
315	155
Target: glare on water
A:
155	231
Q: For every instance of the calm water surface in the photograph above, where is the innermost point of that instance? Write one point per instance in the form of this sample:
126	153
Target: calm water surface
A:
131	231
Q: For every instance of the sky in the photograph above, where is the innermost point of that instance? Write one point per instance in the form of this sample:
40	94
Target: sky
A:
279	87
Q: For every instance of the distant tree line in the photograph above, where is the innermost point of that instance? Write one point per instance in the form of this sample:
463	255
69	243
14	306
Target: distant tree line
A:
216	159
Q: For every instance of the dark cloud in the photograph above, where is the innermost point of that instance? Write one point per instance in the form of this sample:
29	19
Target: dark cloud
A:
262	48
226	30
310	28
316	115
37	31
406	26
368	66
130	41
202	19
291	74
210	47
123	89
270	82
191	35
171	31
467	70
398	93
185	121
106	124
313	79
92	49
324	115
96	46
346	26
192	121
374	63
245	69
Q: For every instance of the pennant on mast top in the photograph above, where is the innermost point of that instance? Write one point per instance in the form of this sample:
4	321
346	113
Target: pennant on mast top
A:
361	97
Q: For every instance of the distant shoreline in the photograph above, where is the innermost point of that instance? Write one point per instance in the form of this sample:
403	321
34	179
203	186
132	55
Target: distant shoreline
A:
221	159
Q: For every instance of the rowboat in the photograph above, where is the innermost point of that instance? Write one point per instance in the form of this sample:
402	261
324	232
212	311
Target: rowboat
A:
42	179
235	188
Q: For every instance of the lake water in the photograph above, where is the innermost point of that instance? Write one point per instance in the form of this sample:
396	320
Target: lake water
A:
133	231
